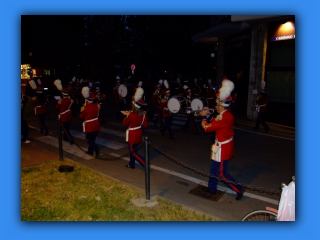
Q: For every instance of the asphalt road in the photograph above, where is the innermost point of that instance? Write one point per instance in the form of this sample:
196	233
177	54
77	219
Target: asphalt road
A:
261	160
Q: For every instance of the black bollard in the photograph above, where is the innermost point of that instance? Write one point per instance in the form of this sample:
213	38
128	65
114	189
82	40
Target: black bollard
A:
147	169
60	140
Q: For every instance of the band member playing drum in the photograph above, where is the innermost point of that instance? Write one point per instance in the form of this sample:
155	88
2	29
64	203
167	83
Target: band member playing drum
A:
40	106
179	89
196	89
91	125
119	100
210	94
223	148
135	120
167	115
64	105
190	116
156	99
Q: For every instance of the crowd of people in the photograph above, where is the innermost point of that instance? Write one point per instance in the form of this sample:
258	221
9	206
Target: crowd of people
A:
91	103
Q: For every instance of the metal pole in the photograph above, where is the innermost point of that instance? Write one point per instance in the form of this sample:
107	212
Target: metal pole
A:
60	140
147	169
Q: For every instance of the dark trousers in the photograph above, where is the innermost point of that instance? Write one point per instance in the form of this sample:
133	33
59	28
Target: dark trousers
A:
66	131
262	119
42	120
219	169
24	130
91	140
190	119
167	126
135	156
120	107
159	118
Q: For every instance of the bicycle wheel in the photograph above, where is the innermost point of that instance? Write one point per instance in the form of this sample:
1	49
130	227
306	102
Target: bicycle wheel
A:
260	216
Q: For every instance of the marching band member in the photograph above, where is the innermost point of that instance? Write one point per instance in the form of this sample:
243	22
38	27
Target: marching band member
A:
261	107
65	116
180	90
91	125
210	94
167	115
196	89
119	100
135	120
73	95
190	115
100	98
134	90
156	99
223	148
40	106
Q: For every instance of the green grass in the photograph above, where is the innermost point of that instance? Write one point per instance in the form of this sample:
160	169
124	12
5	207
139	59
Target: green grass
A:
85	195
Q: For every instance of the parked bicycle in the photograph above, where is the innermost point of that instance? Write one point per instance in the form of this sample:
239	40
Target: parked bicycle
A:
285	212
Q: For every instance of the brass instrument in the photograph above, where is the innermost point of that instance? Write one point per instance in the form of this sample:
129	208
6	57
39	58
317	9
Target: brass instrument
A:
85	104
196	112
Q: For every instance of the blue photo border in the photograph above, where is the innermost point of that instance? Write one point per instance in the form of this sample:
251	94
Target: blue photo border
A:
307	130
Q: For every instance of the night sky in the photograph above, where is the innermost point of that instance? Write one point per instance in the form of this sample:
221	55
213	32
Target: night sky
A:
153	43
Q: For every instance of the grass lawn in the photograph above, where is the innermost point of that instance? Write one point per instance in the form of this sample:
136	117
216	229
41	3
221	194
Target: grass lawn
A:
85	195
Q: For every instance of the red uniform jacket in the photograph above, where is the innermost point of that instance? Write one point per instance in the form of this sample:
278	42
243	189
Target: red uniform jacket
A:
135	123
164	107
65	109
263	101
196	91
38	108
224	131
116	95
156	98
180	91
90	114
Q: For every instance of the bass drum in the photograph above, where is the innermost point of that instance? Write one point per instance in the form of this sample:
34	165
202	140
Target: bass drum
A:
125	90
177	104
199	103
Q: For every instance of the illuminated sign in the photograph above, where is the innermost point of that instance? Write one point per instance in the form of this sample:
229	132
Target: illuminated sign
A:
280	38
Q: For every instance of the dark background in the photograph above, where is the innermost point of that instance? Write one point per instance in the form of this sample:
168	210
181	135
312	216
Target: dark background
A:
90	47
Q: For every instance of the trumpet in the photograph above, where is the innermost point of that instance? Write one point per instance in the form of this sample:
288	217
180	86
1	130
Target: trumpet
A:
196	112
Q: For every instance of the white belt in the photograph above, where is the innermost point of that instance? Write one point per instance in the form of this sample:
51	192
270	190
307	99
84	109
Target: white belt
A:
65	111
262	105
229	140
91	120
135	128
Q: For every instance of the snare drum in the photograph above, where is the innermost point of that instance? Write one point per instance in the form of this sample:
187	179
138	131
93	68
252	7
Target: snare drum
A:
199	103
177	104
124	90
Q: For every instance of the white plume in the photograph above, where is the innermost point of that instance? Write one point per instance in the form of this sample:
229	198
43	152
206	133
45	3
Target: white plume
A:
166	84
90	84
57	83
74	79
161	81
140	84
263	84
138	94
85	92
39	81
81	80
226	89
185	87
33	84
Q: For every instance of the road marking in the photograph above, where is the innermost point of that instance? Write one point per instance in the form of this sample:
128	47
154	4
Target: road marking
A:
201	182
99	140
268	135
52	141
